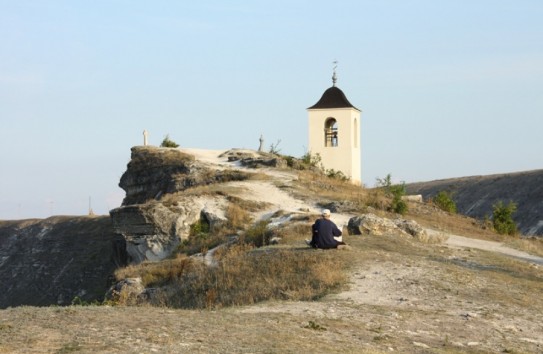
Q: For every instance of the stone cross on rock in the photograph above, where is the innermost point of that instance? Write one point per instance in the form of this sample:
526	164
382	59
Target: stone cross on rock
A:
261	143
145	135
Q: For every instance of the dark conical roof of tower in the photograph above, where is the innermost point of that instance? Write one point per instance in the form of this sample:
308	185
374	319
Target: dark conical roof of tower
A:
333	98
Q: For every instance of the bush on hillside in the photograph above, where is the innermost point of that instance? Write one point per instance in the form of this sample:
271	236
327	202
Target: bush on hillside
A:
444	201
258	235
313	160
167	142
394	191
336	174
502	218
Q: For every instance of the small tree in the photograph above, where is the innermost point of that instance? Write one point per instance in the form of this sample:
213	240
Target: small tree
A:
502	218
168	143
313	160
274	148
445	202
384	182
396	191
398	204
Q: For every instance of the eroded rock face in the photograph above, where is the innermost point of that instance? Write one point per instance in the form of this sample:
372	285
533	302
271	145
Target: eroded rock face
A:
153	230
53	261
155	217
254	159
150	230
151	172
154	172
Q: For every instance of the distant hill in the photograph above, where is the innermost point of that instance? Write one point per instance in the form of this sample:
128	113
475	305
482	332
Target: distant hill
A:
475	195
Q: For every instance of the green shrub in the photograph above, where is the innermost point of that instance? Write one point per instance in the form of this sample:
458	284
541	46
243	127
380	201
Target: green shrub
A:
258	235
444	201
502	218
331	173
167	142
394	191
313	160
201	238
398	205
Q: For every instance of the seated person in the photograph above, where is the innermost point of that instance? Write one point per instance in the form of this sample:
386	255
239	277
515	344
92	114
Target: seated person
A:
325	233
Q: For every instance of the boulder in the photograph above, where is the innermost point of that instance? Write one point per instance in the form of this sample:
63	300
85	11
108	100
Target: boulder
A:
411	227
254	159
370	224
129	291
413	198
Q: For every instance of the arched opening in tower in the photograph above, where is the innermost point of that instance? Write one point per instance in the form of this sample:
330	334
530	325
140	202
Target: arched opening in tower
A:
331	132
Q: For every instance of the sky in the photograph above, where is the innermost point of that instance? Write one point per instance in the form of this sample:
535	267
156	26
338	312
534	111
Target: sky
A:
447	88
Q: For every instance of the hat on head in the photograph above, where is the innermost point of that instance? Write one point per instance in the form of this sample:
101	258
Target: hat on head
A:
325	212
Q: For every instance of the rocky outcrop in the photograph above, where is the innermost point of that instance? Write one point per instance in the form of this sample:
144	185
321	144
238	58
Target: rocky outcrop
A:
154	230
370	224
56	260
153	172
155	215
474	196
129	291
254	159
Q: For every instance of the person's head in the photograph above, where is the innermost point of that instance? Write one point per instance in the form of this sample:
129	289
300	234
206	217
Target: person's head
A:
326	213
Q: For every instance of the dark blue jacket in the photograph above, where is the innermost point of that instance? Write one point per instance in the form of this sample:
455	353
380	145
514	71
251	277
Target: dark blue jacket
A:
324	231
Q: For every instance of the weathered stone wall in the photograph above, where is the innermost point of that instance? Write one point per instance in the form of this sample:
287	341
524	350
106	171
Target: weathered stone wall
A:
51	261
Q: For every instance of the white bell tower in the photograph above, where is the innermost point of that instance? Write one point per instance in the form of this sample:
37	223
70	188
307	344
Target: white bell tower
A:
334	132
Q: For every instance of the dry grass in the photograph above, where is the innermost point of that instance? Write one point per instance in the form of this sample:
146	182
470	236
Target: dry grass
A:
295	232
244	275
431	216
155	274
203	238
247	205
532	245
330	189
488	275
151	156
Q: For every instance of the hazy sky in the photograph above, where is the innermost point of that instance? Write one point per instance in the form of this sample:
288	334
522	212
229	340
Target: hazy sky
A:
447	88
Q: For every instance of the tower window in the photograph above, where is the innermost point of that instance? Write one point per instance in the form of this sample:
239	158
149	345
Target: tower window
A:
330	132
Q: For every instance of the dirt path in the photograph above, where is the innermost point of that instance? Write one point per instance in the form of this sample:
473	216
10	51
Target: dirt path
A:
491	246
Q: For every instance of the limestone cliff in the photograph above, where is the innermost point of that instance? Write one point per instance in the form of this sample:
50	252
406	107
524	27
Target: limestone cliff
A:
152	226
474	196
153	172
52	261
